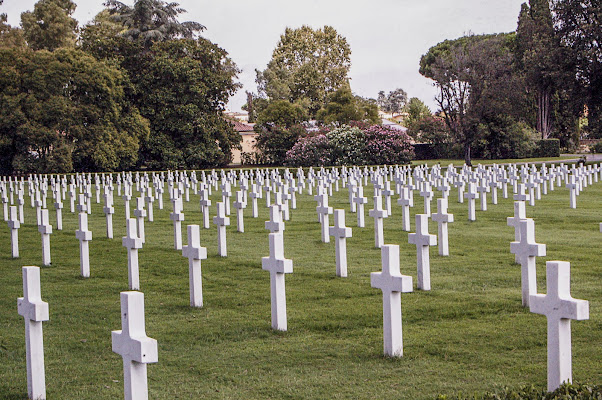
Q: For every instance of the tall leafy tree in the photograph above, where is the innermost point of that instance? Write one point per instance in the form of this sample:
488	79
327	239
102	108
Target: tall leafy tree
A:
343	107
579	24
10	36
151	21
50	25
540	57
306	66
65	110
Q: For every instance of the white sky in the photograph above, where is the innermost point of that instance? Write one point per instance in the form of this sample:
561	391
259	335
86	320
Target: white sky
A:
387	37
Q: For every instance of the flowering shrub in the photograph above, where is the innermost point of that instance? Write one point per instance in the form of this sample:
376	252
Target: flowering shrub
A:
387	146
310	151
348	145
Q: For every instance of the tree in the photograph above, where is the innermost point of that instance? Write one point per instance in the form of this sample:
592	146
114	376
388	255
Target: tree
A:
282	113
151	21
50	25
65	110
393	102
540	57
416	111
343	107
10	36
476	83
306	64
180	85
273	142
577	23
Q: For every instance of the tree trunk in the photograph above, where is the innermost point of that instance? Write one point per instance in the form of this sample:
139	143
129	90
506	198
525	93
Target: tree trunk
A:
467	154
543	113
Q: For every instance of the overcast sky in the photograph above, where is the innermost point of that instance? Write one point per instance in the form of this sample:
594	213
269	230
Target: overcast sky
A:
387	37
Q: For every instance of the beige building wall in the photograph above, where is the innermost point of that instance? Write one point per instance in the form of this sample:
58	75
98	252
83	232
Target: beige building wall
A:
248	140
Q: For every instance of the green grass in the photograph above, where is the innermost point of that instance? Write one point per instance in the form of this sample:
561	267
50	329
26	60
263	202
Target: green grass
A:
458	162
469	334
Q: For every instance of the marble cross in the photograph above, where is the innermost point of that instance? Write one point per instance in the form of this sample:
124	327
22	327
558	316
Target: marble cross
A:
277	265
140	214
324	211
559	308
14	224
84	236
109	210
240	205
379	215
360	200
132	344
177	216
45	230
195	253
520	213
205	203
340	233
132	242
221	221
442	218
423	240
392	284
404	202
471	195
527	250
34	311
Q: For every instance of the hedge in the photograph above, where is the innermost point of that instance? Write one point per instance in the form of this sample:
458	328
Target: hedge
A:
547	148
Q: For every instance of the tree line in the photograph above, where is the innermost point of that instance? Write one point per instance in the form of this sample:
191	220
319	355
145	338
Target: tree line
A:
133	88
495	90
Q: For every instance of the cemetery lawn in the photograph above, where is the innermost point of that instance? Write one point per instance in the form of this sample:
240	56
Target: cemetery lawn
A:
475	162
469	334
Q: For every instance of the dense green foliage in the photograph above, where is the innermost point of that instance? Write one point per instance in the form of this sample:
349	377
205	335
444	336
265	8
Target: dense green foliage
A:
306	66
281	113
50	25
65	111
342	107
139	90
274	141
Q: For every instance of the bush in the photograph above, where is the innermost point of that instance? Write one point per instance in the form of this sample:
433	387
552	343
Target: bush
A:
274	141
310	151
547	148
387	146
565	392
348	145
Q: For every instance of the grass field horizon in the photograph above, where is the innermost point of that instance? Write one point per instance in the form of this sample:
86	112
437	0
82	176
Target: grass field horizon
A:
469	334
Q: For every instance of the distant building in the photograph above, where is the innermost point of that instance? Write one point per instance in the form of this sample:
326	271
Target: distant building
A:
238	115
247	140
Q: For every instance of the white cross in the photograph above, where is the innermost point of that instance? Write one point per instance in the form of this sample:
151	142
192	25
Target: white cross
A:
34	311
205	204
559	308
521	194
195	253
45	230
132	344
422	239
132	242
177	216
14	224
58	206
109	210
379	215
221	221
84	236
324	211
360	200
392	284
255	194
483	189
519	214
387	192
140	214
404	201
427	195
527	250
572	186
149	198
240	205
277	265
442	218
340	233
126	200
275	223
471	195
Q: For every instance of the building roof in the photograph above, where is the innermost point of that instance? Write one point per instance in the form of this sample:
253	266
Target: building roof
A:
240	126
